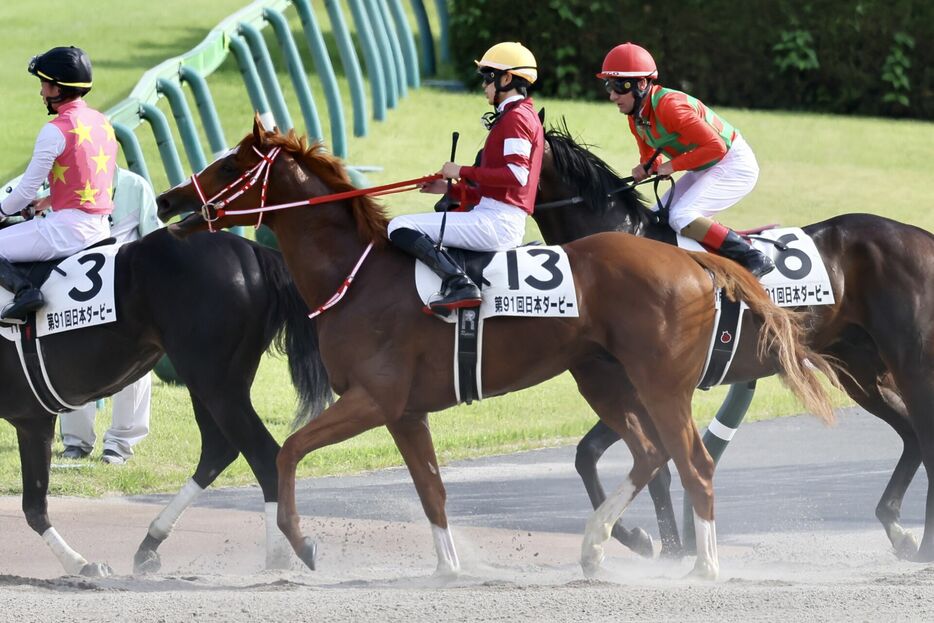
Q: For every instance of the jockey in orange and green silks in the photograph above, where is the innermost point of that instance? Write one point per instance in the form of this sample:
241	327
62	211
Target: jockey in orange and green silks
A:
719	166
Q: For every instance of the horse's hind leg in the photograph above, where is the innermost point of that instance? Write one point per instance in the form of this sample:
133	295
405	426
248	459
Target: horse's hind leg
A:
868	382
413	438
589	451
35	455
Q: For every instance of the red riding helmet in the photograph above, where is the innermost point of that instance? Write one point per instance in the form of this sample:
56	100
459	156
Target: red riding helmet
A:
628	60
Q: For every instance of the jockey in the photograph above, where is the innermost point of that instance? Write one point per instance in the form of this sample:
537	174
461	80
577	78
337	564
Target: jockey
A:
76	152
720	168
504	182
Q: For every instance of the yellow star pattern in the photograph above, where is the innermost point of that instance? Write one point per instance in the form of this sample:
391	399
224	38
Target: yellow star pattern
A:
109	130
58	172
82	131
87	194
110	191
101	159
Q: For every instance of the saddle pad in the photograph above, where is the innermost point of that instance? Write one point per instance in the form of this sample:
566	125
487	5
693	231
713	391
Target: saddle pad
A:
528	281
79	293
800	277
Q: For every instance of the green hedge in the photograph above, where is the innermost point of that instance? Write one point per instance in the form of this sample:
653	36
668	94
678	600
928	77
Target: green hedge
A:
868	57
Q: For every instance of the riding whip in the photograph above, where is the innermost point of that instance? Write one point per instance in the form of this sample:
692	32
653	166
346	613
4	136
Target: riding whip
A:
444	216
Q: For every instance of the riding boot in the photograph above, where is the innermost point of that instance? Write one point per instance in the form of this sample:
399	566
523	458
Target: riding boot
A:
26	298
740	251
457	290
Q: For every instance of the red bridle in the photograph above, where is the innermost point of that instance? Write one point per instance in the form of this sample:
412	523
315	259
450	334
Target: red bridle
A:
214	208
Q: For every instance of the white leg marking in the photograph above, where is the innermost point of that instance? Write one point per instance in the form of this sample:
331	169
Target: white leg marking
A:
600	526
448	564
72	561
707	565
162	525
278	549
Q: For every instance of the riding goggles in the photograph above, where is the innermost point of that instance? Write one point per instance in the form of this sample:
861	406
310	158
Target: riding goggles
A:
488	75
620	86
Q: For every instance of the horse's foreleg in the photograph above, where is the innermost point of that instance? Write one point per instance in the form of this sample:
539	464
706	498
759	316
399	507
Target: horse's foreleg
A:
35	454
589	451
353	413
413	438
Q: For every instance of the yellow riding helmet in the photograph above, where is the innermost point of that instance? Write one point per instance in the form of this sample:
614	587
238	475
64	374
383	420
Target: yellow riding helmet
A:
511	57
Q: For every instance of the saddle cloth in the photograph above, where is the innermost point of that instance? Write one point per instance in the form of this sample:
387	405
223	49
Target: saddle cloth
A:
78	291
531	281
800	277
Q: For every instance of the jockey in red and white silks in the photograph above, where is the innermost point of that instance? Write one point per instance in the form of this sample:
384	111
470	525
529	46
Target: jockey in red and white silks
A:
503	184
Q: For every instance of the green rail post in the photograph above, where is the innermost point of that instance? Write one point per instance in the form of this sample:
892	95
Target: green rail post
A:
374	68
425	39
385	52
184	123
205	103
351	66
319	54
393	37
251	79
267	74
296	71
407	43
167	151
444	28
131	150
716	438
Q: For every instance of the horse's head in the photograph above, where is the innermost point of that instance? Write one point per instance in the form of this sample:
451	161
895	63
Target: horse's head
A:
236	181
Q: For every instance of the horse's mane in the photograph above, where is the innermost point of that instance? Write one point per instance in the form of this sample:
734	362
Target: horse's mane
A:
369	215
592	178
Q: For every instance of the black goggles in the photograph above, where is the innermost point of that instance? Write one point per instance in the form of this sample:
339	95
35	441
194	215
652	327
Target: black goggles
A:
620	86
488	76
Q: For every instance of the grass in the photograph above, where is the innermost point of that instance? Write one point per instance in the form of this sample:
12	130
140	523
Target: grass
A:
813	167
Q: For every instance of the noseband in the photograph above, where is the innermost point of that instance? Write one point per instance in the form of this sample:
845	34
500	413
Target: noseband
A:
212	209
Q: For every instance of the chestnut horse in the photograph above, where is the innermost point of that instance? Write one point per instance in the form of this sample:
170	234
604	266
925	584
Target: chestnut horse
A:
636	349
880	330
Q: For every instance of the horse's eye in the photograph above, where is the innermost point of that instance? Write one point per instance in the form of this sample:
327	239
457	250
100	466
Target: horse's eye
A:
228	167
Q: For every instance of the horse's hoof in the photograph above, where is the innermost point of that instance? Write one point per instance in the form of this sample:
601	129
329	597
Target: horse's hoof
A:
671	551
146	561
591	557
642	543
307	555
704	570
96	570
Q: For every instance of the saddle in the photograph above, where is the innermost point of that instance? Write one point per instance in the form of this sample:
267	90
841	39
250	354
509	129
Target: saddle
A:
38	272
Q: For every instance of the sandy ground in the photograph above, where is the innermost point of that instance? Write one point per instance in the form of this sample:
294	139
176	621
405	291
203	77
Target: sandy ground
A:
383	571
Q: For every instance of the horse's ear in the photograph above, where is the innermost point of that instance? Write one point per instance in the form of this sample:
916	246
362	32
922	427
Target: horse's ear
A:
259	132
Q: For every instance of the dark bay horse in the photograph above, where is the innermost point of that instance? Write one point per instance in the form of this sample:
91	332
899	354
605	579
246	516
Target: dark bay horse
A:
881	328
213	304
636	348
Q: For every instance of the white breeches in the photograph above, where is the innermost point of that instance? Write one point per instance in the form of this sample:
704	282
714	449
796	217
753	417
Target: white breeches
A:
705	193
490	226
59	234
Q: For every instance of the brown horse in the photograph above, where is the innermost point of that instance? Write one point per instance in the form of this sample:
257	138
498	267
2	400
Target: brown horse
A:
880	330
636	349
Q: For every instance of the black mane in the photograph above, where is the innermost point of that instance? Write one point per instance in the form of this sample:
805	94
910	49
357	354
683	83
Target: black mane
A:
593	179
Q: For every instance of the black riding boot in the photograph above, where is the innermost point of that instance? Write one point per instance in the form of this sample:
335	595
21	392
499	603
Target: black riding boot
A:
26	298
457	290
740	251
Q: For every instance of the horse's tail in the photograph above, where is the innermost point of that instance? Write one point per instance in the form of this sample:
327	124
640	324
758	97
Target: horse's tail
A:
297	338
782	334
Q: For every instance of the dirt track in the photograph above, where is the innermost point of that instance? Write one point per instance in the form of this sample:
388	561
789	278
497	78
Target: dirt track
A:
380	571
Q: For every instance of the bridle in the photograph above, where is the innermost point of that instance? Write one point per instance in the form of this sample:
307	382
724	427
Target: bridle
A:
214	208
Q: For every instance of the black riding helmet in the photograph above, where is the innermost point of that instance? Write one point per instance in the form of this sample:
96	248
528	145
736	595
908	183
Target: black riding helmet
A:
67	67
